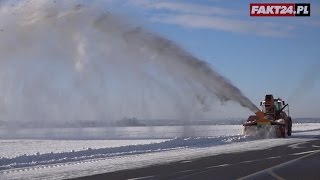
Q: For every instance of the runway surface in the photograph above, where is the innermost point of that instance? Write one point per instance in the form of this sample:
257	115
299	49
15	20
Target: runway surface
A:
295	161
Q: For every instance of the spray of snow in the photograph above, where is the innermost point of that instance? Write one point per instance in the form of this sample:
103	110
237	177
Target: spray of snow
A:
261	132
61	60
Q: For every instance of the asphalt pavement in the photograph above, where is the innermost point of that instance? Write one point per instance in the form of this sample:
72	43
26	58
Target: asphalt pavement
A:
294	161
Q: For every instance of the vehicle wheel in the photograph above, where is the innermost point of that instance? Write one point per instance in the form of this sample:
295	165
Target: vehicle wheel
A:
283	132
289	126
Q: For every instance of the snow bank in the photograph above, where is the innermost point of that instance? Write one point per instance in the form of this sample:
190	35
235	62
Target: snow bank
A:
73	162
15	148
62	157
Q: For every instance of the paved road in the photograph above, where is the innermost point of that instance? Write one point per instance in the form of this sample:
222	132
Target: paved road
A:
296	161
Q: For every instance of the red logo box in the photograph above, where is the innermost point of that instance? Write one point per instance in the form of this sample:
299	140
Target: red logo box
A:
279	9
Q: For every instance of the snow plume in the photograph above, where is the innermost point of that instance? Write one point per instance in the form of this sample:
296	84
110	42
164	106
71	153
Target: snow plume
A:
62	60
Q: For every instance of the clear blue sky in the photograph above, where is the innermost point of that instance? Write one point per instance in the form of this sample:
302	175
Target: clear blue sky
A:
278	55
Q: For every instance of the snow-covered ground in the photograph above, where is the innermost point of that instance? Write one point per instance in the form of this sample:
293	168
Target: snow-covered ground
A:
42	158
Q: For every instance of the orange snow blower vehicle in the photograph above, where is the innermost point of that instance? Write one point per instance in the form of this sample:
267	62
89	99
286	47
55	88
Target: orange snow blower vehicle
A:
272	120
